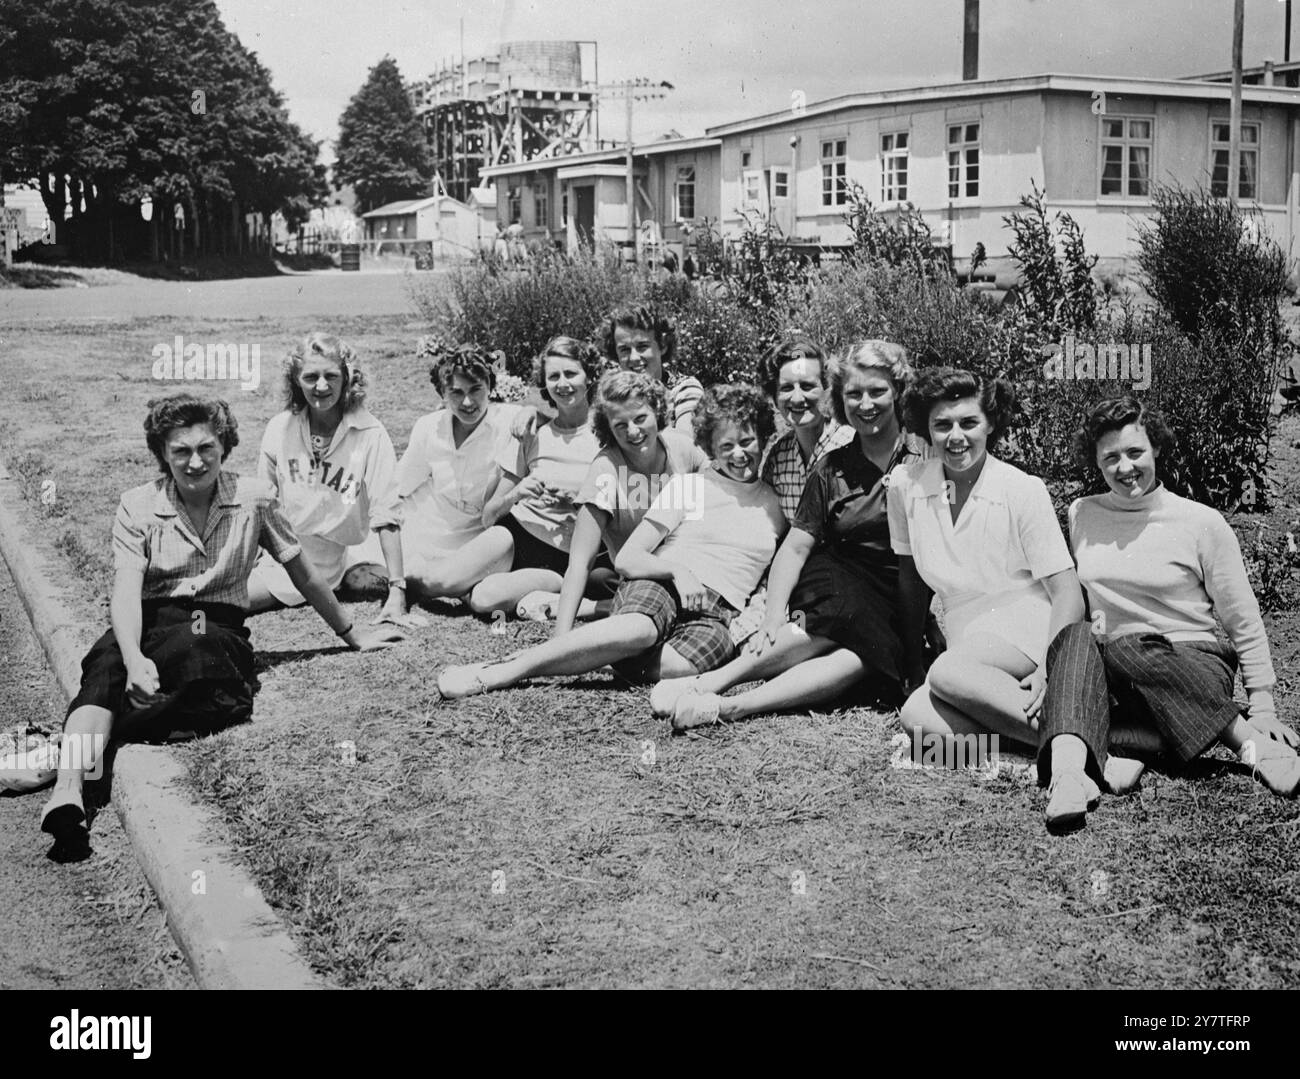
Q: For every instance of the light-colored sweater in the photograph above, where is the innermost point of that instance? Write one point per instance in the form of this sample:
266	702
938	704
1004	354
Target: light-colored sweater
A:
1159	563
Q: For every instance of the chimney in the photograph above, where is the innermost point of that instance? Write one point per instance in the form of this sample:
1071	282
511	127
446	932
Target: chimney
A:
1268	71
970	49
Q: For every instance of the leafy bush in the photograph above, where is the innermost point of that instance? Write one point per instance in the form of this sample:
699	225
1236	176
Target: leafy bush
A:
1213	267
762	278
716	341
1220	279
1056	272
905	241
519	310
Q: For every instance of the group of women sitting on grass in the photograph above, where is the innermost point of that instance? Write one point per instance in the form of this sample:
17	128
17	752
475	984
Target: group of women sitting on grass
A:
644	519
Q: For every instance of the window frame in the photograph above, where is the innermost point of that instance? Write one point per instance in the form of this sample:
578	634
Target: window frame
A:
679	184
961	149
1224	146
541	208
834	170
1127	142
896	193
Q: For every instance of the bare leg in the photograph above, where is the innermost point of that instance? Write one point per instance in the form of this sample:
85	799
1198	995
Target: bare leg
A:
259	600
583	649
980	680
791	648
456	574
503	591
85	737
817	679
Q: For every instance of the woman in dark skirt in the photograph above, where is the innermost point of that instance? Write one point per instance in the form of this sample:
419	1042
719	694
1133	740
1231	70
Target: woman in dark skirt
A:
835	573
178	655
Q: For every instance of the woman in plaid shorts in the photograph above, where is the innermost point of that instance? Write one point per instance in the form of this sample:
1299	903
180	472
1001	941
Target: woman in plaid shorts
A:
835	572
688	566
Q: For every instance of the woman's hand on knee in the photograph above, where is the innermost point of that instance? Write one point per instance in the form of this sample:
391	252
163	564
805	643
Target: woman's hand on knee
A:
142	682
1035	683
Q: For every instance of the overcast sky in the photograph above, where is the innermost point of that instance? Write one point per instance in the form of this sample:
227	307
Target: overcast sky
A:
729	61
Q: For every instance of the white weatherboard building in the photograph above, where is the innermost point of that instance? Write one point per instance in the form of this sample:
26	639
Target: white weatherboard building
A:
962	153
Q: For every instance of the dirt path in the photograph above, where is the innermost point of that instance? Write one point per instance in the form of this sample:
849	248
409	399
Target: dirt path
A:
89	925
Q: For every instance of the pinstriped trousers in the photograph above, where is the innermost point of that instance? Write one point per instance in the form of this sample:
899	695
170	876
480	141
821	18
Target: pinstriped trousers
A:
1183	689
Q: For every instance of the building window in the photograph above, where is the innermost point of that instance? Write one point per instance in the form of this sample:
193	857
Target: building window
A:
753	188
684	192
893	167
835	172
780	184
514	205
564	207
541	208
963	161
1248	176
1126	145
745	158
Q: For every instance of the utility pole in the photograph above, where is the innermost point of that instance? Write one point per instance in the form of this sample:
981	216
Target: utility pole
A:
1234	114
640	89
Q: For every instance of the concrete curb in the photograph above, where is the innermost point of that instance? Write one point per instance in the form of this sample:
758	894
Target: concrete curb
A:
231	937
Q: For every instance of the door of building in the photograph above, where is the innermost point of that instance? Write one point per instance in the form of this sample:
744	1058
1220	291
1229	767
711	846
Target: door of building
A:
584	212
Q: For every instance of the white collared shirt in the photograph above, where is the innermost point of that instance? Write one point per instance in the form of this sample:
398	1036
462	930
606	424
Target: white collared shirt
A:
443	487
1005	538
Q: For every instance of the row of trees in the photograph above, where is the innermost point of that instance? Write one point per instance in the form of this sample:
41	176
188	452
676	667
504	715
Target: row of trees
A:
108	103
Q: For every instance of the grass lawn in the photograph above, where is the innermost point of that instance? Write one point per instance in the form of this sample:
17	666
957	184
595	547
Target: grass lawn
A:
556	834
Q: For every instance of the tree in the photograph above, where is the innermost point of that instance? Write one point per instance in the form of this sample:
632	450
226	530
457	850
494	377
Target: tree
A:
382	151
106	102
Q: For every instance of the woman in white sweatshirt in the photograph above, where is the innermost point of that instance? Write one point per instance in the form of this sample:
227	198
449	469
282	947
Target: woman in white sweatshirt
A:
333	469
1156	569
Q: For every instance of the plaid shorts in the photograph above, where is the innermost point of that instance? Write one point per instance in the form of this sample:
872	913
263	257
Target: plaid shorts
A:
702	638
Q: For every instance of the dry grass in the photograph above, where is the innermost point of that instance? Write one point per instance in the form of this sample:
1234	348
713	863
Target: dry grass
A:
782	852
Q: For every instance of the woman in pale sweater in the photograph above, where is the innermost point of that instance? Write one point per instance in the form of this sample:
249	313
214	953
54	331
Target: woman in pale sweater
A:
1156	569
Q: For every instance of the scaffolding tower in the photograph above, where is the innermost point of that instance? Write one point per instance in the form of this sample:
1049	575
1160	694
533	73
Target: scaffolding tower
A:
529	102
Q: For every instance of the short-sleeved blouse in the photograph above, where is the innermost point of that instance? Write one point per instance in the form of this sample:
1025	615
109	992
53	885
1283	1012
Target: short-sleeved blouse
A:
988	566
844	502
154	534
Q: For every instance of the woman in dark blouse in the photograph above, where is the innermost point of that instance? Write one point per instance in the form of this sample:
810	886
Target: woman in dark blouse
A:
835	572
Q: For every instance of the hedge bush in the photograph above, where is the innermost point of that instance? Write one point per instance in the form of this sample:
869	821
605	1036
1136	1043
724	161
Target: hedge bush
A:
1215	356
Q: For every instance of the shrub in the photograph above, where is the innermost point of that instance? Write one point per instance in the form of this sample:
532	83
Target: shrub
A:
1056	272
519	310
1220	278
905	241
716	341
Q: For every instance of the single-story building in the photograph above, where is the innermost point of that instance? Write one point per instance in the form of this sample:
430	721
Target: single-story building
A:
962	153
448	227
584	196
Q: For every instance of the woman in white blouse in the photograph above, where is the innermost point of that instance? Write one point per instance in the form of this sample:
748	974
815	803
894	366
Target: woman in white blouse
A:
449	467
983	535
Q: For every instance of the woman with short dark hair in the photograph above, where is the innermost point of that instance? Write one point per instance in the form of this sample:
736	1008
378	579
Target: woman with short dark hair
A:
984	536
177	657
1157	570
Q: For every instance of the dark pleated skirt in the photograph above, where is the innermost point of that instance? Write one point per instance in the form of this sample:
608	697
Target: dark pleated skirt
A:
205	672
853	604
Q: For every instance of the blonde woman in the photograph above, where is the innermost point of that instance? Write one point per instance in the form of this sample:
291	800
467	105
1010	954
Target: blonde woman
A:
333	469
